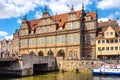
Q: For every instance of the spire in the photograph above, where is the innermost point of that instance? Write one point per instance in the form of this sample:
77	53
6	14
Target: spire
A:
72	8
24	18
83	6
45	9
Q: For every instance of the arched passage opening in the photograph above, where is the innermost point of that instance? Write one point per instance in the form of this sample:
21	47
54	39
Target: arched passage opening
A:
40	53
50	53
32	53
61	53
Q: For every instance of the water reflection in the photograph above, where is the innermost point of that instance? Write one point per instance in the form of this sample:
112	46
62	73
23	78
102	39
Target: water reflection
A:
65	76
106	78
59	76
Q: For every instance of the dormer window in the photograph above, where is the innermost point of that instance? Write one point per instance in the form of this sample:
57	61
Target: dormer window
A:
61	28
88	18
71	17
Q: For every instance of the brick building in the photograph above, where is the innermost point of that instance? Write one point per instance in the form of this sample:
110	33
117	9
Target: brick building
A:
69	35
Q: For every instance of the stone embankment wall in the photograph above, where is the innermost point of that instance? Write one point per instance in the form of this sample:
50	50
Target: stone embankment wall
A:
25	65
73	65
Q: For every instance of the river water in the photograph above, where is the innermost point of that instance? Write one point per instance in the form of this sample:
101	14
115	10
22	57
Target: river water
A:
65	76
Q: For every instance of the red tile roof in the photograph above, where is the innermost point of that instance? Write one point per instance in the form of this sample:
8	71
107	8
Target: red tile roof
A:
103	29
61	19
108	23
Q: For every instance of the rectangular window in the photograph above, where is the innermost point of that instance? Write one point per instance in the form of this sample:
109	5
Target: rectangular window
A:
107	41
47	29
92	38
116	48
103	48
75	25
58	39
99	48
111	33
92	25
116	40
63	39
88	18
43	40
103	41
42	29
107	33
111	48
111	41
98	41
69	38
75	38
52	40
52	28
69	26
38	40
107	48
47	40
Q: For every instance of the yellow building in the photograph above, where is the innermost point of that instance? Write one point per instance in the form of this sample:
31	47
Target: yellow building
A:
108	42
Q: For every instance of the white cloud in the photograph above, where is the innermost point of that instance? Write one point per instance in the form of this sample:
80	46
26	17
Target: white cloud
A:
9	37
62	6
38	14
16	8
108	4
103	19
3	33
112	16
19	21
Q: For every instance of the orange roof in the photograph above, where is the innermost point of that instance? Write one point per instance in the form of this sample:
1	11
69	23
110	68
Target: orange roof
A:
92	14
108	23
60	19
32	24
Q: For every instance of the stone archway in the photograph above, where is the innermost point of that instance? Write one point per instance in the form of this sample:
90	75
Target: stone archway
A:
50	53
32	53
40	53
61	53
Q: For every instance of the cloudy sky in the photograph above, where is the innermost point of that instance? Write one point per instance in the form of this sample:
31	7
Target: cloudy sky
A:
12	11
